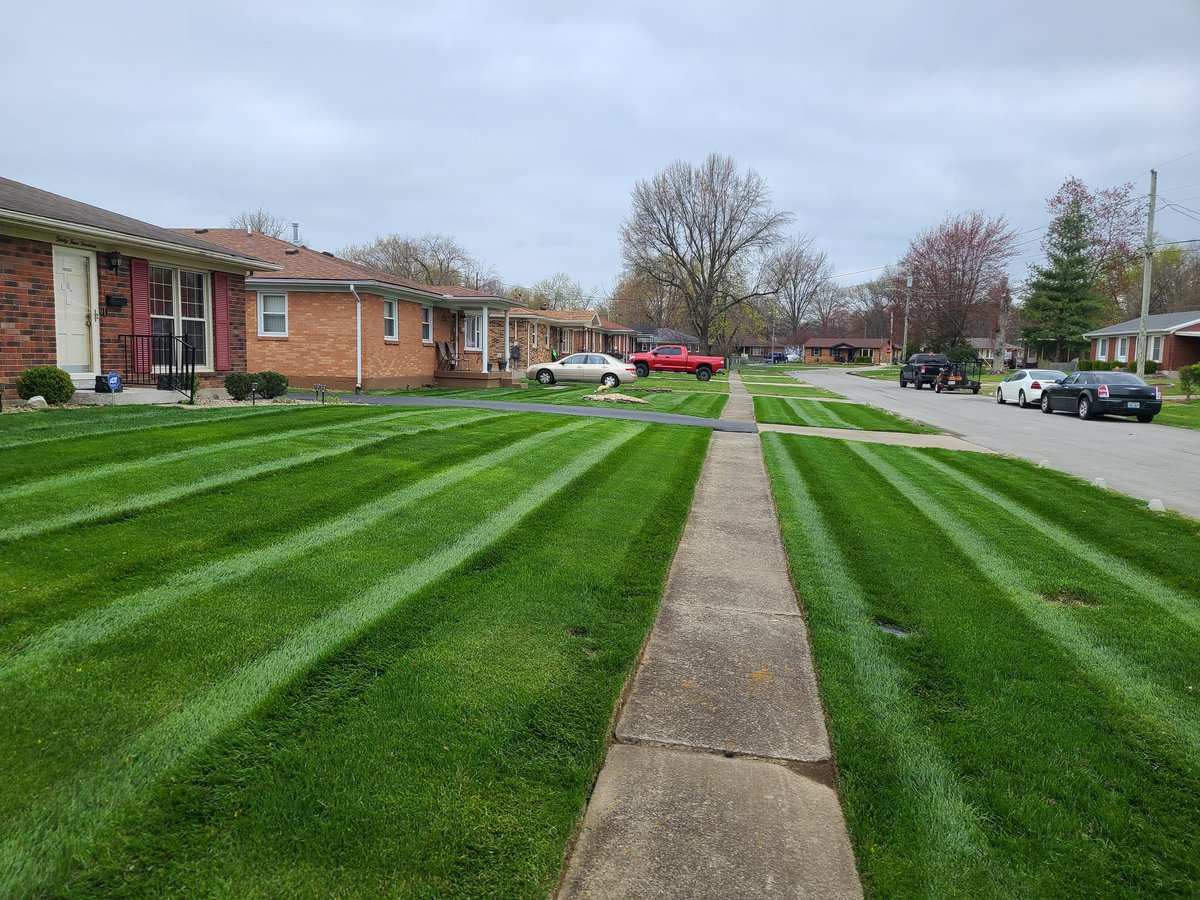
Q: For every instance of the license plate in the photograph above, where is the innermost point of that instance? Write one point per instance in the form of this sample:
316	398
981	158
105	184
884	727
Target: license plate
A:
1134	404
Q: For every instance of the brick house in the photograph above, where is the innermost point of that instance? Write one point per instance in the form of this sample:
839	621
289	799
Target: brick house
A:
649	336
320	319
92	291
540	334
1172	340
846	350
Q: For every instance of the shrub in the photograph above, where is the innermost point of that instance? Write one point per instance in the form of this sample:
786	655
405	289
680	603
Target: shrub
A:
238	385
50	382
1087	365
271	384
1151	367
1189	378
961	354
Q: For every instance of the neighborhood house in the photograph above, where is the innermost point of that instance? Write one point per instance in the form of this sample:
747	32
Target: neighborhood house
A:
846	350
92	292
1172	340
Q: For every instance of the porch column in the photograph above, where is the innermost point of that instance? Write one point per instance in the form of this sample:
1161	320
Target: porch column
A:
485	341
507	361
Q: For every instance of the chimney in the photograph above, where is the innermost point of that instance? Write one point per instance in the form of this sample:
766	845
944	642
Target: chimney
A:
296	233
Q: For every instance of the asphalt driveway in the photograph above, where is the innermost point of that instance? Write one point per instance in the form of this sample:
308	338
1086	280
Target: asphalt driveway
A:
1144	461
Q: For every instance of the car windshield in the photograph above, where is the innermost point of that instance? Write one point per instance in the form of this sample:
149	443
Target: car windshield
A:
1118	378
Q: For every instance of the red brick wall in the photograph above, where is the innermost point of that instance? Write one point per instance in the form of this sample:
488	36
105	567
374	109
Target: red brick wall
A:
1180	351
27	335
320	345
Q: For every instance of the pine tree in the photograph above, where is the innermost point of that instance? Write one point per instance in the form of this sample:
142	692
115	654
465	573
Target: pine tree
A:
1064	301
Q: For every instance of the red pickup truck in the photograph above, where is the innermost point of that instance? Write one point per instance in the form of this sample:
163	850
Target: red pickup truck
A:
672	358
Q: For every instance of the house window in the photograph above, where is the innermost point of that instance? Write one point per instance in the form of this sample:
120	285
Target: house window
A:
535	334
389	320
1156	345
427	324
474	332
547	337
1102	349
273	315
179	305
1122	349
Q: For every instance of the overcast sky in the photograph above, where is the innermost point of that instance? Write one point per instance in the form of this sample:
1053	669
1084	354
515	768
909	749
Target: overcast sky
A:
521	127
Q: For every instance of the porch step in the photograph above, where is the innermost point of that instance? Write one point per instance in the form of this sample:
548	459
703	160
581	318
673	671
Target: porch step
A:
130	396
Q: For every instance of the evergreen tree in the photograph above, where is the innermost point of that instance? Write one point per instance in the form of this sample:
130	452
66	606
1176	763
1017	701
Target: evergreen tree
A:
1064	301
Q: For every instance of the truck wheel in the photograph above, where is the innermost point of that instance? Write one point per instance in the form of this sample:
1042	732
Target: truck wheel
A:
643	370
917	384
545	376
903	383
704	373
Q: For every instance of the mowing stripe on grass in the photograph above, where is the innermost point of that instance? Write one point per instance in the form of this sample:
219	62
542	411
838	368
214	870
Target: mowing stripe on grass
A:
1124	680
97	625
142	502
59	829
68	432
832	412
108	470
954	829
1178	606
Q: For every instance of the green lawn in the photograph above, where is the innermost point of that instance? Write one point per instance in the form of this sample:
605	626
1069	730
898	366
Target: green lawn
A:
1182	415
318	651
790	388
781	411
687	397
1037	733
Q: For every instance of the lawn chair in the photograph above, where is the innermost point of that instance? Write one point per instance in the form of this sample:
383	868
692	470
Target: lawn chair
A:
447	360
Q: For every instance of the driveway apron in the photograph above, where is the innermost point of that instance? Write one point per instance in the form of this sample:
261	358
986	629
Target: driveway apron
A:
720	782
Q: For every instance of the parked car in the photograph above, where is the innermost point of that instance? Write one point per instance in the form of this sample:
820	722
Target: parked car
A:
1025	386
677	358
922	369
1093	394
598	367
793	357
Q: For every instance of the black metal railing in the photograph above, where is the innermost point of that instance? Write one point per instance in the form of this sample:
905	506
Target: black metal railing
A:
163	361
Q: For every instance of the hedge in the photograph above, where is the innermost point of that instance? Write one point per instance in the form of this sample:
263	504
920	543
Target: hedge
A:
49	382
270	384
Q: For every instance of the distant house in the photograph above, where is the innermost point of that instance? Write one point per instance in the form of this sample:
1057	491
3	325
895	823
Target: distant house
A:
985	349
92	291
649	337
846	350
755	348
320	319
1172	340
541	333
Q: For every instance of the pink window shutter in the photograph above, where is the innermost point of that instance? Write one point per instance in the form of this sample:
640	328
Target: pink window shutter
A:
221	321
139	287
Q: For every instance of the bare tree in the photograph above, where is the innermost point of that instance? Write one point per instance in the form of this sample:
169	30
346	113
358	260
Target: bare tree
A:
829	309
259	221
640	300
956	265
559	291
428	259
798	270
702	231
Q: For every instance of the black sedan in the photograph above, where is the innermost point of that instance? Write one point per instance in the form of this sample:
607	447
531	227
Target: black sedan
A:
1093	394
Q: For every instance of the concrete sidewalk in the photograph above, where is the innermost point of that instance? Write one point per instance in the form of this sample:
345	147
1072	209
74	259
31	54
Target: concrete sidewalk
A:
720	783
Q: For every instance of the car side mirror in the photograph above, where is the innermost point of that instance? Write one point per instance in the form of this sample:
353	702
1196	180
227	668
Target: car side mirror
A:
1058	381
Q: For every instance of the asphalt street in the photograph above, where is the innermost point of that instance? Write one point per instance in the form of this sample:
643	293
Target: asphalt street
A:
1146	461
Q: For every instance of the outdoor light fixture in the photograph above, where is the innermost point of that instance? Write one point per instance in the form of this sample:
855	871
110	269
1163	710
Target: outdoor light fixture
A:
114	260
253	393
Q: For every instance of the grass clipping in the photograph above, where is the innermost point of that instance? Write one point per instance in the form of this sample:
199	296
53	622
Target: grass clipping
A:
613	398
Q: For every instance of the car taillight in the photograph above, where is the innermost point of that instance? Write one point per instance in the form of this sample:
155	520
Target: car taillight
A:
1036	386
1103	391
1158	393
922	370
630	369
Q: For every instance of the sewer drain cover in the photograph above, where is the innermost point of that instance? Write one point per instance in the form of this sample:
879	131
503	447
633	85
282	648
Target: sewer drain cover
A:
891	628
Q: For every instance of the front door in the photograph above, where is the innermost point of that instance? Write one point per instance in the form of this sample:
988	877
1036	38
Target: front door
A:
75	313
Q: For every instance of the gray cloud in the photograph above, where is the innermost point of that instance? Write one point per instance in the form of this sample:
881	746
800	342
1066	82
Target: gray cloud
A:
521	128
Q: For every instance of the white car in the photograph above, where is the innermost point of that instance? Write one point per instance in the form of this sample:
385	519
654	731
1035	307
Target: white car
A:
584	367
1025	386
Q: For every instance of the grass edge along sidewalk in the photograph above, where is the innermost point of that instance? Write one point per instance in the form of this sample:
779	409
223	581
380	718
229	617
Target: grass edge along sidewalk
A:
855	416
182	730
1027	728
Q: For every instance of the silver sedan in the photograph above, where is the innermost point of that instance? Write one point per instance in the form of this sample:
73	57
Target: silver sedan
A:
597	367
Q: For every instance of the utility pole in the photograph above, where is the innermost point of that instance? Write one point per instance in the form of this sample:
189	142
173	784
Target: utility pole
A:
907	298
1146	271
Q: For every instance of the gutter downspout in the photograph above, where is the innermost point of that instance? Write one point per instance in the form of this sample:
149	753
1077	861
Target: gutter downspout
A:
357	341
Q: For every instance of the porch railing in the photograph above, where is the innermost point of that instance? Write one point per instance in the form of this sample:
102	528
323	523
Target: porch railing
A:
163	361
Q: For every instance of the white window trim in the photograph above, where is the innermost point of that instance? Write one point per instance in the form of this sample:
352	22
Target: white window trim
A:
1102	349
177	305
1122	349
426	311
286	315
394	337
473	336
